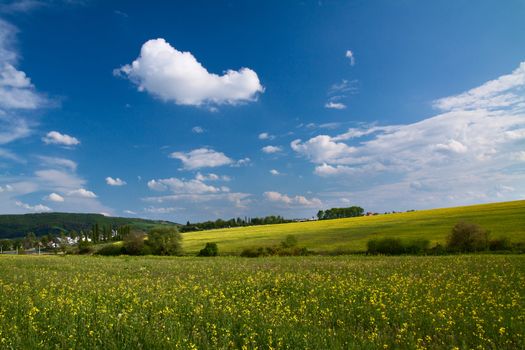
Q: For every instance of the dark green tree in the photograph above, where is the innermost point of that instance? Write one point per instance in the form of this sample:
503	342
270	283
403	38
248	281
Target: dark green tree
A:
165	241
468	237
210	249
29	241
134	243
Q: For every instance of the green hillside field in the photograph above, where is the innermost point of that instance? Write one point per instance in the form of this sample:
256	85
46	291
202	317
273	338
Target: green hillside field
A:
506	219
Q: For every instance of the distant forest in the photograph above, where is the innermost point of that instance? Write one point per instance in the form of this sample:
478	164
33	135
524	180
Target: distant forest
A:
17	226
339	213
13	226
235	222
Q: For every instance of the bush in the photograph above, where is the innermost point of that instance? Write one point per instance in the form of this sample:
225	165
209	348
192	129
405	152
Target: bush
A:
467	237
289	242
395	246
134	243
165	241
388	246
210	249
293	251
438	249
500	244
111	250
85	247
275	250
254	252
416	246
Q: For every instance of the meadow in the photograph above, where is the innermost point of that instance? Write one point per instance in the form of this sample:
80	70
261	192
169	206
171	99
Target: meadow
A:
314	302
506	219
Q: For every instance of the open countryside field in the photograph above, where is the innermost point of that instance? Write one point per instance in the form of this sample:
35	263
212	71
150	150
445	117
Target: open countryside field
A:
445	302
505	219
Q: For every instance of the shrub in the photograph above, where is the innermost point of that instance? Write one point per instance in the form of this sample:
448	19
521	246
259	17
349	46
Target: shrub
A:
210	249
289	242
438	249
165	241
388	246
134	243
467	237
254	252
274	250
85	247
416	246
500	244
293	251
395	246
111	250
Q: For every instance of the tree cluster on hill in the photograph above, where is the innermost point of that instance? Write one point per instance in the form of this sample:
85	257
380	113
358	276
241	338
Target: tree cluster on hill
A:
158	241
339	213
17	226
238	222
60	241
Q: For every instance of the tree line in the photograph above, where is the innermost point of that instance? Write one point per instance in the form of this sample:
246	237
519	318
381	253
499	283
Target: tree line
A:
234	222
339	213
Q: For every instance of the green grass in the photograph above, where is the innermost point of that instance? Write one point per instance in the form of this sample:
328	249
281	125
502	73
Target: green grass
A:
502	219
344	302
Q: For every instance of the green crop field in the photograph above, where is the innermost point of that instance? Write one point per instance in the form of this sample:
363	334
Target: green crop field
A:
502	219
316	302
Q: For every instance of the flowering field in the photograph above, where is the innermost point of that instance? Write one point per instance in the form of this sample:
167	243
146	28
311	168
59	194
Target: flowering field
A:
341	302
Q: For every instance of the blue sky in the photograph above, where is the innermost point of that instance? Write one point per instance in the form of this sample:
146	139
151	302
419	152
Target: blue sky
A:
200	110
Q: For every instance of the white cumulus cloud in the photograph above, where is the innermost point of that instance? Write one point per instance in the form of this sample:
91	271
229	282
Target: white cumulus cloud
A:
201	158
271	149
115	182
54	197
56	138
174	75
265	136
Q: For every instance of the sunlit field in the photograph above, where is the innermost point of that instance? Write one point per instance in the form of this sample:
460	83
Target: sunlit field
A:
349	235
446	302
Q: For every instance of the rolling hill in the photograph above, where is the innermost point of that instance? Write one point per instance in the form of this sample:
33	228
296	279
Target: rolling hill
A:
502	219
12	226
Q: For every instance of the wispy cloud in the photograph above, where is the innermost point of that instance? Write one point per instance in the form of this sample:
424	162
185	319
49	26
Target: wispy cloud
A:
340	91
18	95
335	105
284	199
477	140
197	130
60	162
